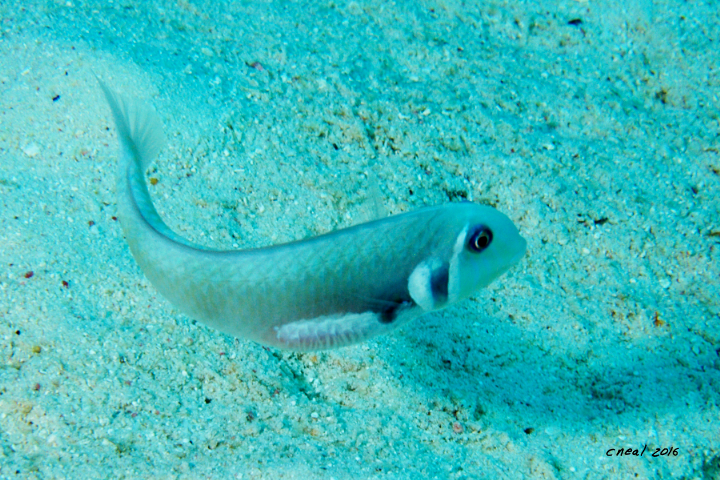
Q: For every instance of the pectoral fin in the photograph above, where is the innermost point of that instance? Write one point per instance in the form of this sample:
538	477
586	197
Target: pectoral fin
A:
428	284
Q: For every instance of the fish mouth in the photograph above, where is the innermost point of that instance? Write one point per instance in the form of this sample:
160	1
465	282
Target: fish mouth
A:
521	247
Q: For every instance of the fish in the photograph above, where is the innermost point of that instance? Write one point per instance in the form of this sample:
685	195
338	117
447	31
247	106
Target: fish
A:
324	292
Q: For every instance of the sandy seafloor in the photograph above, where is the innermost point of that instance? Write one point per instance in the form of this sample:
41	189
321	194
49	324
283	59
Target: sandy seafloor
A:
593	125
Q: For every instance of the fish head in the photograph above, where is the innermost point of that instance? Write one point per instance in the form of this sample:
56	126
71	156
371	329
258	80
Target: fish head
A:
487	244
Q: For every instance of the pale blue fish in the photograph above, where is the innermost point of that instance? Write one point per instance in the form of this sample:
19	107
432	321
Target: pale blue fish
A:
323	292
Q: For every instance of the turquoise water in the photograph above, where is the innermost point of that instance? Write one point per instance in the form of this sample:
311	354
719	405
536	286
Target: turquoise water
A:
593	125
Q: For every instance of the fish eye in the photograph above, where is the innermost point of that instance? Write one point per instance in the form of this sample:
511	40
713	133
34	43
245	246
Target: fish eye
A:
480	239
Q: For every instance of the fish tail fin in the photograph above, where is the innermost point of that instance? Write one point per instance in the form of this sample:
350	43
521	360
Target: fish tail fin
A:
139	127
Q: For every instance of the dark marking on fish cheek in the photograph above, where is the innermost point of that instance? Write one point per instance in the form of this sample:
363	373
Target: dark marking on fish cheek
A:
439	284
